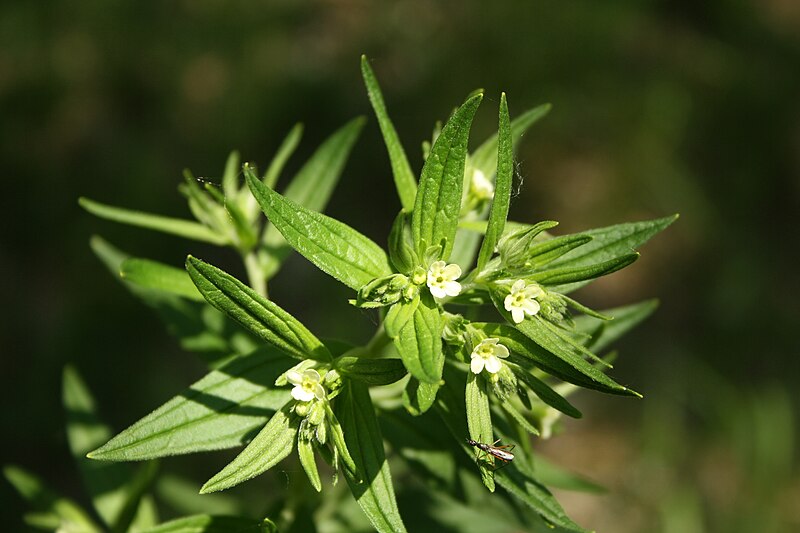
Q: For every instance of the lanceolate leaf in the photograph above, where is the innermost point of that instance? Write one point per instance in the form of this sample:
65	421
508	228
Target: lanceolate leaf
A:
566	364
419	342
485	157
161	277
230	185
274	443
419	396
371	484
502	190
438	202
371	372
610	242
479	421
403	176
254	312
334	247
557	276
399	315
214	524
624	319
546	393
285	151
314	183
222	410
305	451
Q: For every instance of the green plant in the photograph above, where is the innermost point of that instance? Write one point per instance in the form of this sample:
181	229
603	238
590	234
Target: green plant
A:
452	259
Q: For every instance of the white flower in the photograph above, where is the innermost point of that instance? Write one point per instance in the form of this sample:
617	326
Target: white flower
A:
307	385
521	300
442	279
481	187
487	355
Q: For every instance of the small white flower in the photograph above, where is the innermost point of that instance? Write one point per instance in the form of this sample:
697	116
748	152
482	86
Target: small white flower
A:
307	385
521	300
487	355
481	187
442	279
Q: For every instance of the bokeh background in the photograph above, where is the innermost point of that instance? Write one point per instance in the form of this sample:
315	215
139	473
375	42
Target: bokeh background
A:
659	107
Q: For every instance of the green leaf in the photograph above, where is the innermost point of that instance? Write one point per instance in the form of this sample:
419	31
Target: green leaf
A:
108	484
371	484
222	410
502	193
334	247
173	226
419	396
285	151
419	342
273	444
371	372
557	477
610	242
547	251
51	508
404	178
537	497
485	158
158	276
305	451
479	422
313	185
259	315
557	276
214	524
400	251
625	318
546	393
563	362
520	419
337	436
399	315
438	203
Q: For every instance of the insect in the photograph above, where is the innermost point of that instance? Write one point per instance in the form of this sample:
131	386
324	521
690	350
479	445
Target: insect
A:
499	452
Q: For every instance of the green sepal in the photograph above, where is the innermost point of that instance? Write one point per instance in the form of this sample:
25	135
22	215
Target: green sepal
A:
334	247
372	372
305	451
404	179
161	277
257	314
273	443
438	203
174	226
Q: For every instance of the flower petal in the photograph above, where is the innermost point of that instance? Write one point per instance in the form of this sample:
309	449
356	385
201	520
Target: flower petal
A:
437	291
518	286
319	392
501	351
508	303
476	365
294	377
518	315
452	271
302	395
532	291
311	375
452	288
531	306
493	365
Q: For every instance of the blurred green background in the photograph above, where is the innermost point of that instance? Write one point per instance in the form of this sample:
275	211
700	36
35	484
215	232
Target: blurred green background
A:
659	107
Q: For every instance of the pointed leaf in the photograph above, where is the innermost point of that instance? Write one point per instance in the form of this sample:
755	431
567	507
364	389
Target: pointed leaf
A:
274	443
419	342
305	451
400	251
371	484
624	319
230	185
438	202
557	276
485	157
419	396
161	277
546	393
173	226
502	192
285	151
610	242
332	246
259	315
399	315
404	179
222	410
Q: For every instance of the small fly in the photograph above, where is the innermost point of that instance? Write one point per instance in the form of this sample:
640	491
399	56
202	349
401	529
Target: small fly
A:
500	452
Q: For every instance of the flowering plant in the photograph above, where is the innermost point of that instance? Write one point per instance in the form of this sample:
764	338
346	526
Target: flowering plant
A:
432	377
